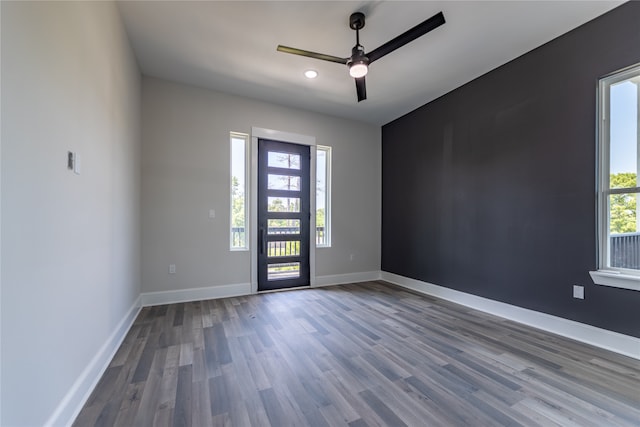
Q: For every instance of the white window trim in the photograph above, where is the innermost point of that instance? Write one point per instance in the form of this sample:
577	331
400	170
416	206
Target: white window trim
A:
295	138
327	201
606	275
247	191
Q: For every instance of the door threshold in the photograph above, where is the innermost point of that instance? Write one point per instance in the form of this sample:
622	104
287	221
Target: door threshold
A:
295	288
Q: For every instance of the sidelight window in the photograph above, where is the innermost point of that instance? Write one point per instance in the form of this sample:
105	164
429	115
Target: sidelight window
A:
239	184
323	196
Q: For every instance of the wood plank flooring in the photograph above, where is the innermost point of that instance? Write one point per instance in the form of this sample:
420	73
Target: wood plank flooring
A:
357	355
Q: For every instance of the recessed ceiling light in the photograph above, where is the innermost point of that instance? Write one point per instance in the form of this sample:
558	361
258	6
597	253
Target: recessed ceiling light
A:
311	74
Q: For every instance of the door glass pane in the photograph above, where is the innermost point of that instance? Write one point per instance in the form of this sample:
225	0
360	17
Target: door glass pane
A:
283	182
283	160
283	204
284	248
283	226
287	270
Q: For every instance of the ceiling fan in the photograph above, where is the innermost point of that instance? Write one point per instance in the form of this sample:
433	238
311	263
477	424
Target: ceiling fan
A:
359	61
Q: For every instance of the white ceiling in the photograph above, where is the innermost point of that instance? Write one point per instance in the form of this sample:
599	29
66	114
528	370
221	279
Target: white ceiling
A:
231	47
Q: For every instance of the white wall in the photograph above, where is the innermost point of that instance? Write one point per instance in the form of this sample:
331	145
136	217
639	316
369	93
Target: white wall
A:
70	243
185	172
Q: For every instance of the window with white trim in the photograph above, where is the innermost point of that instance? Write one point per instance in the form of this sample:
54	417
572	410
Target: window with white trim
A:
323	196
239	214
619	174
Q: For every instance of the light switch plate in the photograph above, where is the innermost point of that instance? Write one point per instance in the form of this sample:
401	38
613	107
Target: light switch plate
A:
77	163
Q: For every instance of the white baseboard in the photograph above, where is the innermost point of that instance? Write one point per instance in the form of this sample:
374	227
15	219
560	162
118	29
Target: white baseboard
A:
240	289
70	406
608	340
195	294
341	279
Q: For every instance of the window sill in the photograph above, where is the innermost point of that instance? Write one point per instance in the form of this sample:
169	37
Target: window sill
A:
615	279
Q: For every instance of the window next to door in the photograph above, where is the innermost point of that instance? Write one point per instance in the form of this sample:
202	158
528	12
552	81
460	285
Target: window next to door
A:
619	180
323	196
239	214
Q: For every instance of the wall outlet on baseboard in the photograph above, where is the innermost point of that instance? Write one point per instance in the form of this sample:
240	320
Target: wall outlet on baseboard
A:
578	291
172	269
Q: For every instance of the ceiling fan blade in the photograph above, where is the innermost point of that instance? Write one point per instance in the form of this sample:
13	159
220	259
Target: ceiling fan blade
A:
310	54
361	88
408	36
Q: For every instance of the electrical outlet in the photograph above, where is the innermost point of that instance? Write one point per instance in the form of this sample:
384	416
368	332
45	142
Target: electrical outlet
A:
172	269
212	213
578	291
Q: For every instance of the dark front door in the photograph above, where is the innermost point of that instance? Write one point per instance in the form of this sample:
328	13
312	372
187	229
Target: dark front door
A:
283	215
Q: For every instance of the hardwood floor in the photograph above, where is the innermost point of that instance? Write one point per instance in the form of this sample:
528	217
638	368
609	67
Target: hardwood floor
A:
356	355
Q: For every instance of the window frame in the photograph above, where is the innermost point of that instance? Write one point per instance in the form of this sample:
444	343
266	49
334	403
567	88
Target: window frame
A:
327	196
247	186
607	275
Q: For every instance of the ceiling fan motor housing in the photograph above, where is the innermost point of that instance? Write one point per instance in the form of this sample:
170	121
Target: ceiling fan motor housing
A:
358	56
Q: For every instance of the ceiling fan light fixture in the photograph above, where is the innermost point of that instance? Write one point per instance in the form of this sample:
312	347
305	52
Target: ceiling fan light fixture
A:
358	69
358	63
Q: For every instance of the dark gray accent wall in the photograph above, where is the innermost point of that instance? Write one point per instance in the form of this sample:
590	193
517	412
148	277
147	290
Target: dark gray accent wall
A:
491	189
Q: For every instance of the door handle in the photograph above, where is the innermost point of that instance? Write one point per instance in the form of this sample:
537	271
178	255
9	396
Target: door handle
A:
262	242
